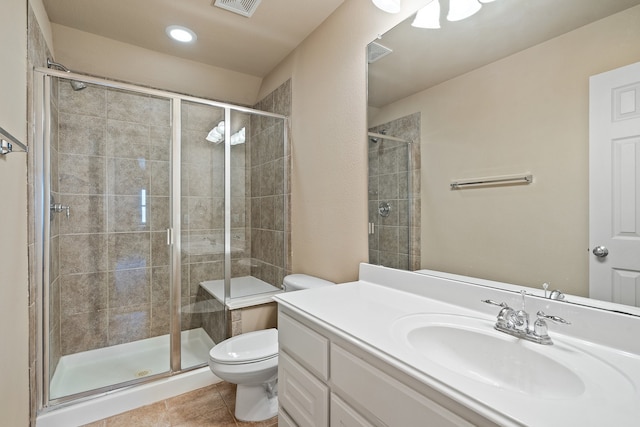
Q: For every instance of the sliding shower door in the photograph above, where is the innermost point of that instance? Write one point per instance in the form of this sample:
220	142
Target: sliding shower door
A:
108	168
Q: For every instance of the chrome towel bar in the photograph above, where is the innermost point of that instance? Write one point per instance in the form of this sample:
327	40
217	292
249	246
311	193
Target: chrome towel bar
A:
510	179
7	141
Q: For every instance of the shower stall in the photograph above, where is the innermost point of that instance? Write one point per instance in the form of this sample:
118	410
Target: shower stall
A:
152	211
394	193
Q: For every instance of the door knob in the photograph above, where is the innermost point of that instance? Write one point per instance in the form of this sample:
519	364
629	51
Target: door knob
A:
600	251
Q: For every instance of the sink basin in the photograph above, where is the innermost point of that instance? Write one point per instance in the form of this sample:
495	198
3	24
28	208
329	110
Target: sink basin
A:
469	347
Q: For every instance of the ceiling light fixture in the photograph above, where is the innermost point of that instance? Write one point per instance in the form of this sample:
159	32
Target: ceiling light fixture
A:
428	16
181	34
389	6
462	9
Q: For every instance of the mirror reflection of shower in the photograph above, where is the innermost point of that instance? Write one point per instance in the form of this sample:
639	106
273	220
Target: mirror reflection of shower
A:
216	135
373	138
76	85
394	197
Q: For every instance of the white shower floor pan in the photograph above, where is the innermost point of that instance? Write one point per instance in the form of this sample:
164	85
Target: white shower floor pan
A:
94	369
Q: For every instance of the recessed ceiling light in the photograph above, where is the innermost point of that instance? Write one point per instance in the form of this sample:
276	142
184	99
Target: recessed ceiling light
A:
181	34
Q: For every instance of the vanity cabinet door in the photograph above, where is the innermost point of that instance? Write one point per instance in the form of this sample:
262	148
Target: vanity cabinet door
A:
388	401
304	397
307	346
284	420
343	415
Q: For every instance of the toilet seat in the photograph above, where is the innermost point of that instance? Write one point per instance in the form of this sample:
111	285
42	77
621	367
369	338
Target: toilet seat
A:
246	348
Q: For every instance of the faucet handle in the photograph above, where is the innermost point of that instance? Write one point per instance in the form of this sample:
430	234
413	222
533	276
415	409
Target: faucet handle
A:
492	302
557	295
554	319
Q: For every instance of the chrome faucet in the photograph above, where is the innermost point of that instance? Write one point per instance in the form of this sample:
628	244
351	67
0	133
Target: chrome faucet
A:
516	322
555	294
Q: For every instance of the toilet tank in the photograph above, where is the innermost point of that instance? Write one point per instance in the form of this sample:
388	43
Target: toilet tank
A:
298	282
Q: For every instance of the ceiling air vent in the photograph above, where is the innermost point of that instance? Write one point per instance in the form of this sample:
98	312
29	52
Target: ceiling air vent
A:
376	51
241	7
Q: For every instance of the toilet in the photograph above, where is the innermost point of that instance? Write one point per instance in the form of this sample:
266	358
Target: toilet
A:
250	360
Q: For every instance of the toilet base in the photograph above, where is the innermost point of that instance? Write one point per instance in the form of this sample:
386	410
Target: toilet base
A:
254	404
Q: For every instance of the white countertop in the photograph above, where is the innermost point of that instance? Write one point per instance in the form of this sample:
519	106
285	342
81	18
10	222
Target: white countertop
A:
364	313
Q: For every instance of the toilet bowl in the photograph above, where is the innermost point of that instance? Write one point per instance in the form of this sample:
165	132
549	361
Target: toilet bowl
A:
250	360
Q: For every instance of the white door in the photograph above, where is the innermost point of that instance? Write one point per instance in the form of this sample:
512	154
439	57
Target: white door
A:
614	186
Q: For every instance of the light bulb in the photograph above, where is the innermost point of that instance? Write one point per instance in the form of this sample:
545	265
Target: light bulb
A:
461	9
428	16
389	6
181	34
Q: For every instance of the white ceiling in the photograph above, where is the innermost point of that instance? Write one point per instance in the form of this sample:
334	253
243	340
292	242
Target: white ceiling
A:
423	58
225	39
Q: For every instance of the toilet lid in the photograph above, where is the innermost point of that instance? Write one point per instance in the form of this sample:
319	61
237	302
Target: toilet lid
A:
246	348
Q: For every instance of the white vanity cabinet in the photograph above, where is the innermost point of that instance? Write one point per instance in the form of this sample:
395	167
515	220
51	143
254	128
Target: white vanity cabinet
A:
323	380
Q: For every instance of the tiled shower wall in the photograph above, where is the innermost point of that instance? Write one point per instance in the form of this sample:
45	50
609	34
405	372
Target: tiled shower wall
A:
391	243
270	189
113	173
110	164
203	215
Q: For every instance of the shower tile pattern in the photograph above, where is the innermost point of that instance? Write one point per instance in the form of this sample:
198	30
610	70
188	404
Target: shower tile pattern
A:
112	151
270	189
389	169
258	203
202	204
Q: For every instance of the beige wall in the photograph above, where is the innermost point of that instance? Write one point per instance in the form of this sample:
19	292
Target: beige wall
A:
14	332
99	56
526	113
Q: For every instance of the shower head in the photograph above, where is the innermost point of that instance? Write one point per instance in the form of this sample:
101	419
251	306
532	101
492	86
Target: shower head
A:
376	137
76	85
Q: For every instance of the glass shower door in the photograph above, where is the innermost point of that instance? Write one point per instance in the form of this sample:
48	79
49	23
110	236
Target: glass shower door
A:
202	222
108	291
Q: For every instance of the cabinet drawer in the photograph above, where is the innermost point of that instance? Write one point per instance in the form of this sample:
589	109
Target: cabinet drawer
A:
301	395
307	346
345	416
387	399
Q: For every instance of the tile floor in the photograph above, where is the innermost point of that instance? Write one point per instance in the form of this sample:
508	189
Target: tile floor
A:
210	406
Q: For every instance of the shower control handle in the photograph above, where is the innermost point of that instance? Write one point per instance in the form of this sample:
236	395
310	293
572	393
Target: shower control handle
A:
58	207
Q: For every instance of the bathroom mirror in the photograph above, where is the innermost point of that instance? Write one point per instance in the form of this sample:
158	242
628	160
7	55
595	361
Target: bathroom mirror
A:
504	92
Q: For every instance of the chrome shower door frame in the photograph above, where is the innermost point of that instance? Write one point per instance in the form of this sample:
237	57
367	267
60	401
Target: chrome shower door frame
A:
42	192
